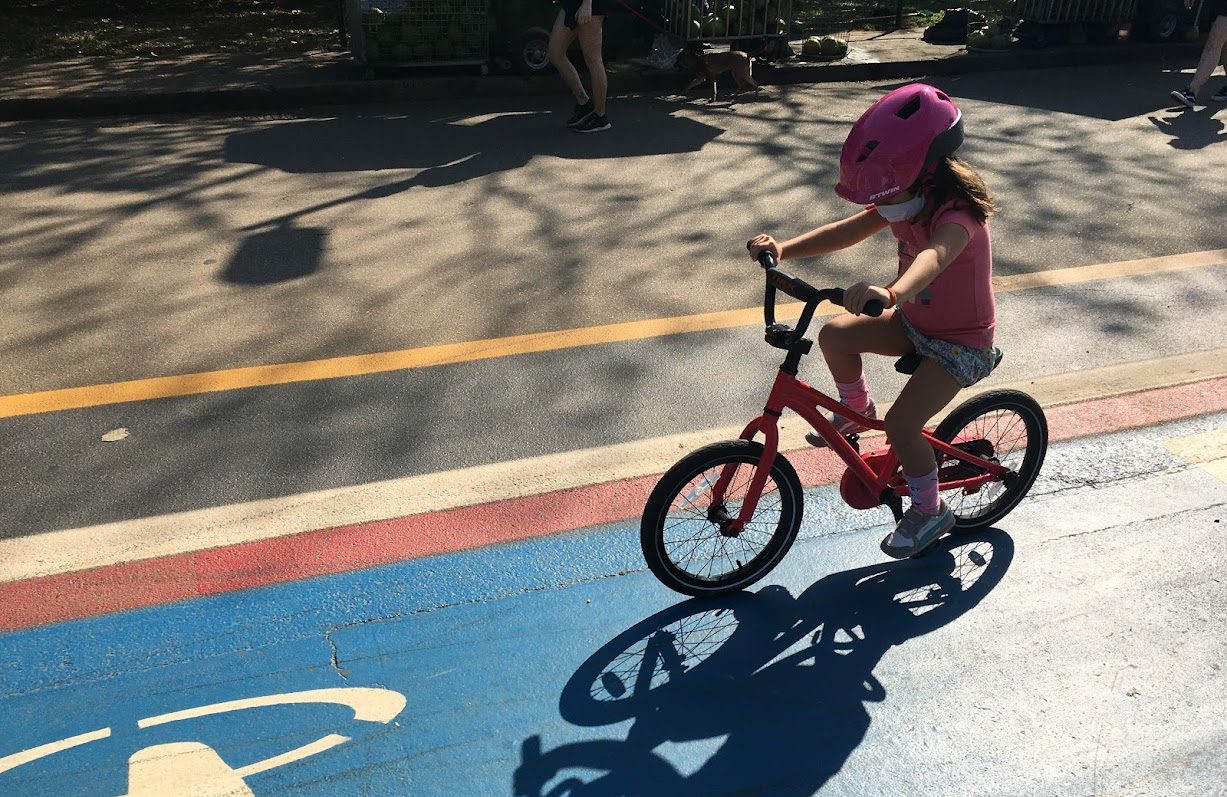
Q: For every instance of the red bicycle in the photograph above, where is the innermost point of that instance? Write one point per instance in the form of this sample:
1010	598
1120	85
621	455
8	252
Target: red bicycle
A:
725	515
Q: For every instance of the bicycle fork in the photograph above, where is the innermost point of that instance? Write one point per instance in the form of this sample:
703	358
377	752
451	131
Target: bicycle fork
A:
717	512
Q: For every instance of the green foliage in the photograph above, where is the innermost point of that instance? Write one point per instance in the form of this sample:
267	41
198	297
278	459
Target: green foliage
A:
53	29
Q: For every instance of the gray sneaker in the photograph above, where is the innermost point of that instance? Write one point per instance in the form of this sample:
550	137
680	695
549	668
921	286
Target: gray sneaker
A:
844	425
1220	95
917	531
1185	97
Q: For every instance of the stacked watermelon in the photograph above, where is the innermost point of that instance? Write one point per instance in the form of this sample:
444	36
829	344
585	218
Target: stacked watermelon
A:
419	31
741	18
826	48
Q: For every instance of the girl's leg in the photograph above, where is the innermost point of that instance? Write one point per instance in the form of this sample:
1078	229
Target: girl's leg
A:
590	36
560	39
845	338
1211	54
924	395
929	389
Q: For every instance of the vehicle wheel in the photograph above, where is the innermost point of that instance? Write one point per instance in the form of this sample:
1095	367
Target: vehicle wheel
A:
532	54
1160	20
1005	426
681	534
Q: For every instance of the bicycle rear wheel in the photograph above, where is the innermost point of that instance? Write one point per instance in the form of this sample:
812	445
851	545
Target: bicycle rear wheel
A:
681	531
1003	426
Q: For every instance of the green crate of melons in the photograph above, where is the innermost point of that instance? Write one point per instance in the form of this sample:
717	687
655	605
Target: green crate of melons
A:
433	31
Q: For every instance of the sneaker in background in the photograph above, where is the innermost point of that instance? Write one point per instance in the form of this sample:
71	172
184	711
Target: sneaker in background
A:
1220	95
593	124
581	113
1185	97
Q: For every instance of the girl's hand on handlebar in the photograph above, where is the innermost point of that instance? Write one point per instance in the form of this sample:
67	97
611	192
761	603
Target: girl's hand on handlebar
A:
760	243
856	297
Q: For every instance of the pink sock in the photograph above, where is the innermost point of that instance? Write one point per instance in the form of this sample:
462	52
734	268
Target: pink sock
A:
924	492
854	394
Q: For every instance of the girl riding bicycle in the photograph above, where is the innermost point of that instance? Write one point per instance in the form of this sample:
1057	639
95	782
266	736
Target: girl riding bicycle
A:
898	161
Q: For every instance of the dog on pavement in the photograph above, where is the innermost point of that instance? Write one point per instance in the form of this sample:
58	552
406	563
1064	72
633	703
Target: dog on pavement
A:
708	66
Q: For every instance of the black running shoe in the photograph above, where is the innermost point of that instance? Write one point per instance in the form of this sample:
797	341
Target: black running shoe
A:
1220	95
581	113
593	124
1185	97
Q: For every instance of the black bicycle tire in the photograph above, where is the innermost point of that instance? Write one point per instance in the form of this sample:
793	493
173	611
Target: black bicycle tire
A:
1032	415
651	529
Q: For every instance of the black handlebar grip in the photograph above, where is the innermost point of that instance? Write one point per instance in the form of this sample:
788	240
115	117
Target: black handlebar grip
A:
873	307
765	258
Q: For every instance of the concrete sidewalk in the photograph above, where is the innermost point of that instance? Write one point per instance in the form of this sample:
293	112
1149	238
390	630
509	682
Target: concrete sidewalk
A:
100	86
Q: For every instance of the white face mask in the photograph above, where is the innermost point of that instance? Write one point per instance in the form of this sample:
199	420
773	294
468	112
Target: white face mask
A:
902	211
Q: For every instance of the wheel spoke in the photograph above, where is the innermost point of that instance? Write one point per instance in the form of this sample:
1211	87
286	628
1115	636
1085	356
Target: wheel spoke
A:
696	545
1006	431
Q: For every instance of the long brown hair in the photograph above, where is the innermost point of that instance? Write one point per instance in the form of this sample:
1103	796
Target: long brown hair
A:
955	180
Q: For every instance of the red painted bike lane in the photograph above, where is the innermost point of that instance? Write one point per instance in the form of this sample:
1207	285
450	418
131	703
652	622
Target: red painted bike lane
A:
149	582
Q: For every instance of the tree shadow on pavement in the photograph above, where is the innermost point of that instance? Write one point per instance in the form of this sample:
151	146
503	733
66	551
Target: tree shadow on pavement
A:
1050	90
452	150
779	683
276	255
488	143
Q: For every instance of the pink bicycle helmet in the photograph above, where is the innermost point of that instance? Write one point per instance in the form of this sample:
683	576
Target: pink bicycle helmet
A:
896	141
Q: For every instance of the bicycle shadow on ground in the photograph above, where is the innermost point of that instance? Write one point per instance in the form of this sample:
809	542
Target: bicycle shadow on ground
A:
782	681
1191	129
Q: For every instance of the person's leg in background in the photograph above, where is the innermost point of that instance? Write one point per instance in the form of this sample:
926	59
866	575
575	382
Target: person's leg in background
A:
1211	55
560	41
1221	94
591	35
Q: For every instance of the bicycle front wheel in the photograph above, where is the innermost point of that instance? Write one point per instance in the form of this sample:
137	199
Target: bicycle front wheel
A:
683	532
1003	426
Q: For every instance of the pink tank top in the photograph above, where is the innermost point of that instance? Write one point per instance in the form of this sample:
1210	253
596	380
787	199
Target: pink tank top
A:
958	306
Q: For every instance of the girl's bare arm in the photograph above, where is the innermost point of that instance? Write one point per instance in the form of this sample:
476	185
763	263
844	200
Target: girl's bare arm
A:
827	238
946	243
836	235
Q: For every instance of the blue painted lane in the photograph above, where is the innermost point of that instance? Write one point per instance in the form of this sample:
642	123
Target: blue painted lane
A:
483	679
557	667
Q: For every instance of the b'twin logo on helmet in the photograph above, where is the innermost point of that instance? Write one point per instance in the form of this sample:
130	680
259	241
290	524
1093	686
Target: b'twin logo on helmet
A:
887	192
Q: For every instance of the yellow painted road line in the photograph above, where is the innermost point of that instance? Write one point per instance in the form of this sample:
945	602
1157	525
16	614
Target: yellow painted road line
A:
1102	271
358	365
1208	451
70	550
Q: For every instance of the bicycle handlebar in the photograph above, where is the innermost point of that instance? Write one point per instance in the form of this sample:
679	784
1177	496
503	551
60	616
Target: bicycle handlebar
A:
800	289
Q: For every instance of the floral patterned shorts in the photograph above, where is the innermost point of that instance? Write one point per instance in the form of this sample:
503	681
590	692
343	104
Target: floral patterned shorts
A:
965	364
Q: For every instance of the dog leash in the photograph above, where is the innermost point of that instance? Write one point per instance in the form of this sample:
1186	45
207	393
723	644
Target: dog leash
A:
652	23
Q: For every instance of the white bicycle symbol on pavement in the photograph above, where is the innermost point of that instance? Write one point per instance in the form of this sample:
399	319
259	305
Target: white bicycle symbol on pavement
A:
193	769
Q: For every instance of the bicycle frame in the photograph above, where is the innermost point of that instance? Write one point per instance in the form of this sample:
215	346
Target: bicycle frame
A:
789	392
